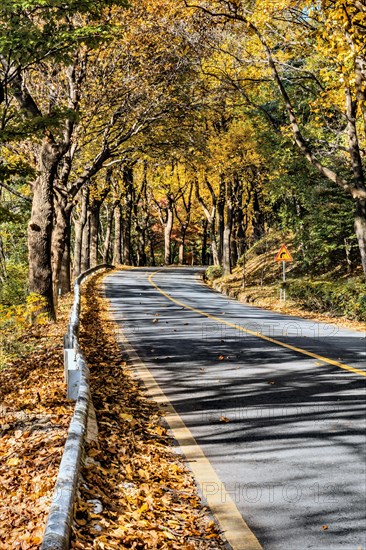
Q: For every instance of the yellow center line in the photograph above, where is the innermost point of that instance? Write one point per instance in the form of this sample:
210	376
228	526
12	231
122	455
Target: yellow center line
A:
256	334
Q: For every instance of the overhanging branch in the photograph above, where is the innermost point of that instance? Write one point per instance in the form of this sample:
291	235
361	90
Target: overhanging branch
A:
14	192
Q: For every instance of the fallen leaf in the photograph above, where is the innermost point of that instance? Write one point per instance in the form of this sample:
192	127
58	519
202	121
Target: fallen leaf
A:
81	521
13	462
127	417
144	508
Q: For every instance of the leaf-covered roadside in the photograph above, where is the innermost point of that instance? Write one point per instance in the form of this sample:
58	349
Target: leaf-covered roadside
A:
136	492
34	419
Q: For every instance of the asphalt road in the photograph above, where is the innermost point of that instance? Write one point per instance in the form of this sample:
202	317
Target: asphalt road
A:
285	432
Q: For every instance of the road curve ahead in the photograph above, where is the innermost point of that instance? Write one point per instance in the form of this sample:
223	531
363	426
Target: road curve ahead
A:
283	429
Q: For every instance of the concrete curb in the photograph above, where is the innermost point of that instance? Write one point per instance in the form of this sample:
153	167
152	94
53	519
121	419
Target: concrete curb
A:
58	529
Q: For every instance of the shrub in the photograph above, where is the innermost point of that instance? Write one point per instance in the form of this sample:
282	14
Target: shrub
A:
213	272
15	321
362	306
342	298
14	287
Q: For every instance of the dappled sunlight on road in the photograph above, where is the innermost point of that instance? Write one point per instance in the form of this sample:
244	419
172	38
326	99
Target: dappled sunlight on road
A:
284	431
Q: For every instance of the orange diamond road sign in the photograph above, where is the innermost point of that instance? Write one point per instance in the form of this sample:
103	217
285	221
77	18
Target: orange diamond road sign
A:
283	255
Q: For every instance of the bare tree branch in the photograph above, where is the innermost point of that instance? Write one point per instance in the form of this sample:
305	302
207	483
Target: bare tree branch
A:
14	192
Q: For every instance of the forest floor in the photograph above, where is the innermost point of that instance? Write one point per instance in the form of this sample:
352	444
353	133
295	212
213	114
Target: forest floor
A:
34	419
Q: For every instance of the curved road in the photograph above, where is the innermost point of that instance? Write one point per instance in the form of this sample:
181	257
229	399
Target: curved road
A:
283	429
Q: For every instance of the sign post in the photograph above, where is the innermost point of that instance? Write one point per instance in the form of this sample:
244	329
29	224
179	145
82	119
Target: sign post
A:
283	255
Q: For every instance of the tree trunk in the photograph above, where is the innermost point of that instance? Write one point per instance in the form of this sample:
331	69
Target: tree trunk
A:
221	221
258	221
204	242
150	239
127	221
226	256
117	239
358	176
146	210
65	272
211	219
168	233
182	244
3	272
60	241
347	250
214	249
240	238
94	234
79	229
181	253
107	240
226	249
141	244
85	249
238	220
244	274
360	229
40	228
94	216
234	247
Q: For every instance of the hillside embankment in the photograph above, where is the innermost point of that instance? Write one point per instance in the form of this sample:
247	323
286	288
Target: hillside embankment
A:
331	296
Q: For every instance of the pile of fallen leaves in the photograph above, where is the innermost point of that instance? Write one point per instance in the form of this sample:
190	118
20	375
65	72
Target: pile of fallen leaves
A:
135	491
34	419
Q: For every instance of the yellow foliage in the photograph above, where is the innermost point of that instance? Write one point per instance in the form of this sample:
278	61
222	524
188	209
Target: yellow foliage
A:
14	323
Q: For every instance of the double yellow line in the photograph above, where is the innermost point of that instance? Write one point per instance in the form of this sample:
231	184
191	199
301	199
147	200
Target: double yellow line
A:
257	334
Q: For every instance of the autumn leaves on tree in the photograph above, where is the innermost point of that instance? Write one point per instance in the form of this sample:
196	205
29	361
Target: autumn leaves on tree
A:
312	56
160	132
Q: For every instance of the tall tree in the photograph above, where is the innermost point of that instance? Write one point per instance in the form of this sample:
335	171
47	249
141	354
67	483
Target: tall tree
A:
314	55
47	38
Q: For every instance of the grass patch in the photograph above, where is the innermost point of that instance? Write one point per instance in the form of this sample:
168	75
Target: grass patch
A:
344	297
